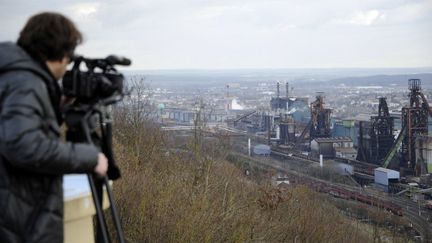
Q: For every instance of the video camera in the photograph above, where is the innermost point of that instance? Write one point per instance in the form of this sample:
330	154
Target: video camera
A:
101	81
95	90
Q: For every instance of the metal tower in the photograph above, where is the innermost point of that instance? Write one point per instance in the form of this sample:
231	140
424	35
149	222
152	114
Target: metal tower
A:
320	118
415	123
381	133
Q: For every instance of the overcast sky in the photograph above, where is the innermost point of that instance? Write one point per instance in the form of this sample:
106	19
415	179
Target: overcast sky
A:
163	34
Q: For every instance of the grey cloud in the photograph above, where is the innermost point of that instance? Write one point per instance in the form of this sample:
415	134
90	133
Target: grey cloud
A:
245	33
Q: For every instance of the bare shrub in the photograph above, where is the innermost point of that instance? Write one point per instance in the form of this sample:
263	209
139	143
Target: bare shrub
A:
168	195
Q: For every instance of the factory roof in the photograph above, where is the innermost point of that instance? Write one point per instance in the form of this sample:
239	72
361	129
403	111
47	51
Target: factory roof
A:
333	140
346	150
385	170
390	174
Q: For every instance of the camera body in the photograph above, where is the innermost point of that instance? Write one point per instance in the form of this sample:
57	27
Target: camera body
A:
101	80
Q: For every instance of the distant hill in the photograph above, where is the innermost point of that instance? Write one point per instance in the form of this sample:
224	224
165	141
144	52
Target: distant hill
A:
354	76
385	80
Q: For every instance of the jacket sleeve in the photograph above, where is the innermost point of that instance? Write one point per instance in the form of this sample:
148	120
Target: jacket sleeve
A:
25	143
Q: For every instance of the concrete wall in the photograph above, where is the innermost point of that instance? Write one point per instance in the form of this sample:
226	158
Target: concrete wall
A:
79	209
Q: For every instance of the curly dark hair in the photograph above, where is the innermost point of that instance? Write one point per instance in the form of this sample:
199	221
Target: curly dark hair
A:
49	36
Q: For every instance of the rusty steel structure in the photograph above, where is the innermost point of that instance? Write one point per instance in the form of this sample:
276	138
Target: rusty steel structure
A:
415	123
320	119
381	133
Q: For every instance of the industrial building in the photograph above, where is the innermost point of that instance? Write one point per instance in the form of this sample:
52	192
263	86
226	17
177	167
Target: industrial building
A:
387	139
188	116
330	147
384	176
346	128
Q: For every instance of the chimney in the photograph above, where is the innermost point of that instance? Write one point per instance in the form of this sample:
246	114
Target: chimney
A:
278	84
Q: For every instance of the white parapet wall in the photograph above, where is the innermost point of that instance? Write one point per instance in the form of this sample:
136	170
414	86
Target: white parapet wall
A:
79	209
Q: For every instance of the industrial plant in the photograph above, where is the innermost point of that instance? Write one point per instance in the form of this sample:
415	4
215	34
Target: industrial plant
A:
377	141
390	151
387	155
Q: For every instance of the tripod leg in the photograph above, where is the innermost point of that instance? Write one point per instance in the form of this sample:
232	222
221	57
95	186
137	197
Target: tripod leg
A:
114	212
102	232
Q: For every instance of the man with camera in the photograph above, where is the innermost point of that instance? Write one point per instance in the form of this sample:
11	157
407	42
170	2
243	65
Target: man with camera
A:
33	159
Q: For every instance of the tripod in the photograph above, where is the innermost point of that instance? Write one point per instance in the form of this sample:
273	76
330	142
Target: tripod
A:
84	127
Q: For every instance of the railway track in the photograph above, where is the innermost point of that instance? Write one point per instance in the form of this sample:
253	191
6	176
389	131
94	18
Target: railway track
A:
359	167
395	204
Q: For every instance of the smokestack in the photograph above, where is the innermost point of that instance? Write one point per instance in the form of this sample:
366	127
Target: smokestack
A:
228	100
287	89
278	84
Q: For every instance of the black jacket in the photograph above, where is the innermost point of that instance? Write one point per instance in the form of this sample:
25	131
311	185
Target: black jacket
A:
32	157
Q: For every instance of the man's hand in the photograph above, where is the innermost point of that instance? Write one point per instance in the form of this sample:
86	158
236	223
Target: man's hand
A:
102	165
66	101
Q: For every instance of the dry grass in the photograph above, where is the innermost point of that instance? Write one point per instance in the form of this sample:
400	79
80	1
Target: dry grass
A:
197	196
